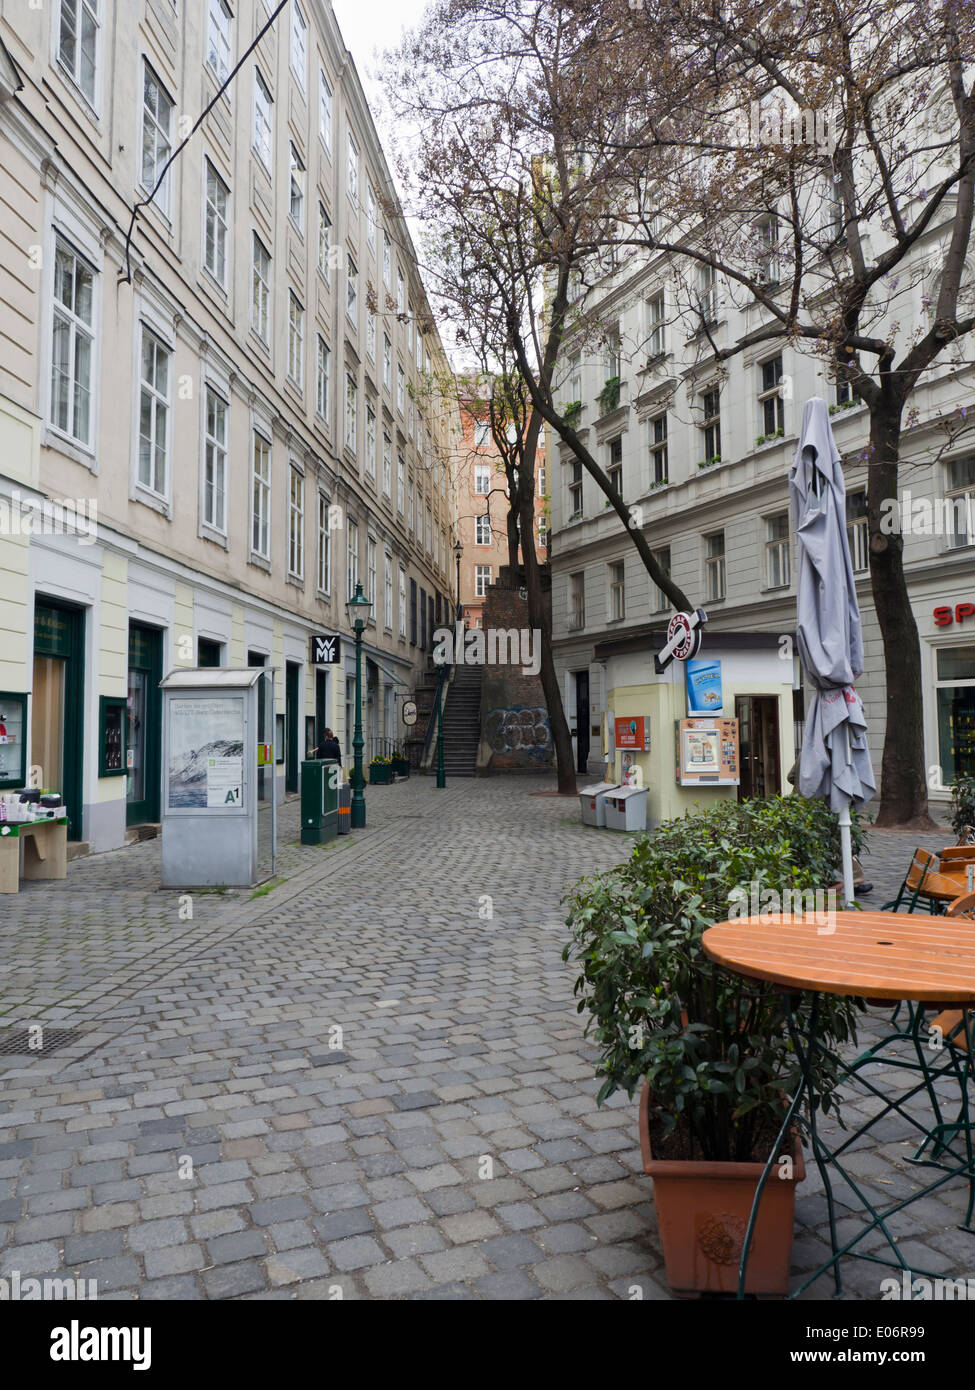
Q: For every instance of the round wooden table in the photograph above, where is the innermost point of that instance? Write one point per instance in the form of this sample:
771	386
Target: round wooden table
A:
873	955
870	955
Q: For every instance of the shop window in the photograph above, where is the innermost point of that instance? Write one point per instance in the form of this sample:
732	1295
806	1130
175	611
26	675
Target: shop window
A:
955	682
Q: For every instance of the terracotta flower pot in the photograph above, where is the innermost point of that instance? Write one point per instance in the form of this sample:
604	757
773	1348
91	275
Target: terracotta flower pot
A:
702	1215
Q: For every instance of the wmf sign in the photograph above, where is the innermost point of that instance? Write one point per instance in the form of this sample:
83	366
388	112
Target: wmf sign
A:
326	649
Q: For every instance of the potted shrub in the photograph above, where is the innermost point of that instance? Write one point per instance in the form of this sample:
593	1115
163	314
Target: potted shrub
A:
962	804
380	771
710	1050
400	765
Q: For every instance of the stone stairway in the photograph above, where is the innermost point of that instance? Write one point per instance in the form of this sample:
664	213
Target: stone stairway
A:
462	722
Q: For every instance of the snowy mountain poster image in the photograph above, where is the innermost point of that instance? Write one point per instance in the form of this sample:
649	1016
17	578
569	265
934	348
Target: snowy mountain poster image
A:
206	753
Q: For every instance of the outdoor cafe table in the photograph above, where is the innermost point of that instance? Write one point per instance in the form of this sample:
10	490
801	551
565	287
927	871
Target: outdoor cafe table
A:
869	955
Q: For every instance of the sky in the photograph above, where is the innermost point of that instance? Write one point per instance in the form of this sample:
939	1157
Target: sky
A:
368	24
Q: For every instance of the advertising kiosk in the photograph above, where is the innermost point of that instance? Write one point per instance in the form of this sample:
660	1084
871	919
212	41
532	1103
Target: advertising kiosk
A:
209	794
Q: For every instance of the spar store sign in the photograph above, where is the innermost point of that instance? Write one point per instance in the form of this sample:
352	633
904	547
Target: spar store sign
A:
945	615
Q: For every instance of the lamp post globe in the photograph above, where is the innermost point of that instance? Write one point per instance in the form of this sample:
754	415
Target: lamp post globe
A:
358	608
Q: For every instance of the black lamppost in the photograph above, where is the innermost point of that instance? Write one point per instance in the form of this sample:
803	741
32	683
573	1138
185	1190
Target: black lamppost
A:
458	551
358	608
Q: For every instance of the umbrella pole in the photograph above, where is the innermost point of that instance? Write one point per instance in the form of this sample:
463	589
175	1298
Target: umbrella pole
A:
846	846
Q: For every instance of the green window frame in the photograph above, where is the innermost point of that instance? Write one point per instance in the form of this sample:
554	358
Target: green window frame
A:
112	729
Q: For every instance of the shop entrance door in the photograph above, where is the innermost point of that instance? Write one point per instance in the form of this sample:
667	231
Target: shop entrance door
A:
291	672
58	706
144	747
758	731
582	720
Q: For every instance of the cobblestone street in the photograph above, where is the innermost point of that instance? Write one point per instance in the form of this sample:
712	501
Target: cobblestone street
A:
449	1148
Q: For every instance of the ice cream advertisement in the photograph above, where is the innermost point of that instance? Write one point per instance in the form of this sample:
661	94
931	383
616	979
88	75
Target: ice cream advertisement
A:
704	687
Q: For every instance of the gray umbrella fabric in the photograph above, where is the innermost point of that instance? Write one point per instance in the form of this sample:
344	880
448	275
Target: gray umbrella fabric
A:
835	759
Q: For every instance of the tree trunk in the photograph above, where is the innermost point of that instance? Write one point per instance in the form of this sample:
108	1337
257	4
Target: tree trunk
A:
538	616
903	784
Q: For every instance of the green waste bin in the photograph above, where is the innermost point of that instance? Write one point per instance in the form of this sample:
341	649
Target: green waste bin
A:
319	801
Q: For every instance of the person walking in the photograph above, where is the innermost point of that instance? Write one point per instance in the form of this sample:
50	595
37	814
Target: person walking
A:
328	747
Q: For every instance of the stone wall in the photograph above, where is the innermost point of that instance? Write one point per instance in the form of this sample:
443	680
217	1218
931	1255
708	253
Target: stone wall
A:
516	735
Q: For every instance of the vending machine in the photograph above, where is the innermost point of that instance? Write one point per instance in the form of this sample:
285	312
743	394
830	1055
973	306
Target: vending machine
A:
707	753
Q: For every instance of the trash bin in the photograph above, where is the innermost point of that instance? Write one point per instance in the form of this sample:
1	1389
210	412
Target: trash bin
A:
626	809
345	809
592	801
319	801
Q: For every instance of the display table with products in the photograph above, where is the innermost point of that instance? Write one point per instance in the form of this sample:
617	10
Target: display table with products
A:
45	845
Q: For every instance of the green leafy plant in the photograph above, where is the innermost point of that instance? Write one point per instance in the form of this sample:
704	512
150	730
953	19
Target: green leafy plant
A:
714	1047
571	412
962	803
609	396
709	463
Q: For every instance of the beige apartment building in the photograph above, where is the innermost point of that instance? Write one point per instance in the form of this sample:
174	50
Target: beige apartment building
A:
482	513
207	442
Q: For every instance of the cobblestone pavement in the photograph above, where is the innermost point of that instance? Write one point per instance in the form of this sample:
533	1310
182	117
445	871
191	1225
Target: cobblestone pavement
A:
445	1144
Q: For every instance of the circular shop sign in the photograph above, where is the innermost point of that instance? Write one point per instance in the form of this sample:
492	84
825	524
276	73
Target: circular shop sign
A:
409	713
686	639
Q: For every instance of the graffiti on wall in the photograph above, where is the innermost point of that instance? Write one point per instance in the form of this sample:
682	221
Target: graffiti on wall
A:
520	730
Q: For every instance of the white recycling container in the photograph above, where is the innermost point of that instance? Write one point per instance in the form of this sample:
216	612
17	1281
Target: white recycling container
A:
626	808
592	801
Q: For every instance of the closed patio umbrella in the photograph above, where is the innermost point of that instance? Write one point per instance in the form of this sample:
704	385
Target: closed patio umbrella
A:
835	759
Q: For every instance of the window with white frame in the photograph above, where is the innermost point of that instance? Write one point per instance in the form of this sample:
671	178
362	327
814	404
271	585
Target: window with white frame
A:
482	578
482	530
387	466
577	601
575	378
154	397
617	591
411	417
482	479
429	531
324	238
215	462
371	334
261	496
955	695
260	288
351	558
324	545
351	411
614	471
372	217
296	339
387	259
73	344
388	590
575	489
542	533
858	530
371	564
387	363
219	28
714	568
844	392
296	525
157	119
540	481
322	378
771	406
352	169
324	111
352	290
215	225
419	349
400	293
78	39
400	483
778	570
296	189
710	426
402	601
656	325
707	297
482	435
370	440
614	354
411	522
299	44
400	388
960	494
659	601
769	264
262	120
658	449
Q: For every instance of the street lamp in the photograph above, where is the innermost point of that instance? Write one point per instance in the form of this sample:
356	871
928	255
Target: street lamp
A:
358	608
458	551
